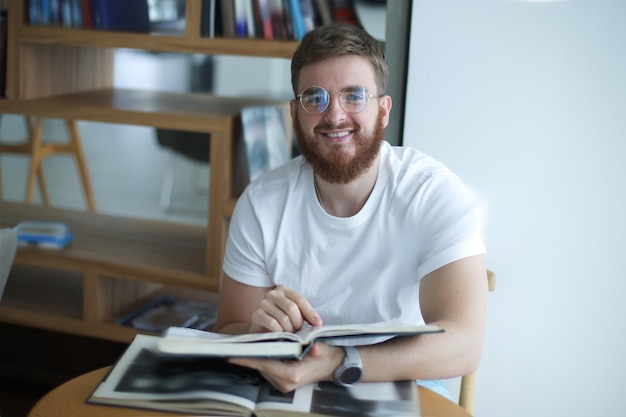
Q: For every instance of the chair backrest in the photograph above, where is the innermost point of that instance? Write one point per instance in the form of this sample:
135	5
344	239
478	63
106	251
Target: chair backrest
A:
467	393
8	245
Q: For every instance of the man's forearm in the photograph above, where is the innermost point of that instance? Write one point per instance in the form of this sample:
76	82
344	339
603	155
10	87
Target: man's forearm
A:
432	356
232	328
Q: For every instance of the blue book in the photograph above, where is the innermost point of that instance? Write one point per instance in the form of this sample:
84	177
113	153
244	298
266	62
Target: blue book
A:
43	234
242	29
34	12
121	15
299	29
45	12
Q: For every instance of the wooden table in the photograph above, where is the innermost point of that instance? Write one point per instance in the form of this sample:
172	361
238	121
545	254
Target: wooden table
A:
68	400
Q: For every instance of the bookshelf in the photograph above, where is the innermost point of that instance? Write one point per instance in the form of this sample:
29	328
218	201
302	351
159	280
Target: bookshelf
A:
117	263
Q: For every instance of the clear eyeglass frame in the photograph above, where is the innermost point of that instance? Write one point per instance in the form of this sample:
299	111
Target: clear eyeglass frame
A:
316	99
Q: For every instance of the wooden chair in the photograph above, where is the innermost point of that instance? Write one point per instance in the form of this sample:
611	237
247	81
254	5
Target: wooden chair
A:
34	146
467	394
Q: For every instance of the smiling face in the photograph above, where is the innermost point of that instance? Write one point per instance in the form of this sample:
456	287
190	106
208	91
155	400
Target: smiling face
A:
340	145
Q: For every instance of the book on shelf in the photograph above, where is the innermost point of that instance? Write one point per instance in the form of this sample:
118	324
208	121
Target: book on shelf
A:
325	14
227	12
251	23
297	19
308	14
283	345
47	12
145	379
211	25
121	15
277	19
288	19
63	11
3	52
343	11
68	13
169	310
87	17
257	19
241	18
75	13
265	17
267	145
43	234
35	12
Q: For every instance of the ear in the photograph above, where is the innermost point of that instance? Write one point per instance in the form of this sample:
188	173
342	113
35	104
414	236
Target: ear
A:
293	109
385	104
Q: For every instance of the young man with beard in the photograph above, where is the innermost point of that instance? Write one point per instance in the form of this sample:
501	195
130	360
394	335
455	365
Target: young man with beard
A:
355	231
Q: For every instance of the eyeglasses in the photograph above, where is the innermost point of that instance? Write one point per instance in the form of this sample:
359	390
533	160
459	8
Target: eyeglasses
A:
353	99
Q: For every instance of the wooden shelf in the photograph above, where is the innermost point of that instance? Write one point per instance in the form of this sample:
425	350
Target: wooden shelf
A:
181	111
44	293
54	35
34	295
166	253
53	300
114	263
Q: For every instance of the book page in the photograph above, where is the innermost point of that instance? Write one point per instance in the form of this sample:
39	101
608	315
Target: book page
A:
296	401
390	399
179	332
142	376
366	333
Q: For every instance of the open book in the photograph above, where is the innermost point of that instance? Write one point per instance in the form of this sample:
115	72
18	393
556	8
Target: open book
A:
144	378
283	345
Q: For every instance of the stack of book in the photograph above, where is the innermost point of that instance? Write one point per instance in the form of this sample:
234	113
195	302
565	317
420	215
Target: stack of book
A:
272	19
264	19
120	15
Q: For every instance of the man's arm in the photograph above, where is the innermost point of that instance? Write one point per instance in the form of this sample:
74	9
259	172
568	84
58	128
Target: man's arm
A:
247	309
236	304
453	297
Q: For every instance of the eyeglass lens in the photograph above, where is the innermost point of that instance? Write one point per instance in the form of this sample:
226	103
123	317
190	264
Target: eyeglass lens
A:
353	99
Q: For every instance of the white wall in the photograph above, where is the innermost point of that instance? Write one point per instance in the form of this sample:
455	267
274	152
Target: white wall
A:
527	102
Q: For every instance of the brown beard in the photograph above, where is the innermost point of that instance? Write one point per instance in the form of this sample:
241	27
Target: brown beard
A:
337	167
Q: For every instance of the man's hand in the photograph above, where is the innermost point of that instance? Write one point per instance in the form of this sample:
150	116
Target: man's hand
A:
319	365
283	309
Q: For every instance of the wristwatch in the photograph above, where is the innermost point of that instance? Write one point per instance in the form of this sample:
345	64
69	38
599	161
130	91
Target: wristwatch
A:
350	370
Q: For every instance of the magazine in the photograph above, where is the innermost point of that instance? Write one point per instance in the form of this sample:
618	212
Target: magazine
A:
170	310
144	378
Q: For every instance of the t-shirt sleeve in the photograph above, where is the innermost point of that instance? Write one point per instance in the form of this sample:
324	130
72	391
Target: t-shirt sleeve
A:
244	259
452	223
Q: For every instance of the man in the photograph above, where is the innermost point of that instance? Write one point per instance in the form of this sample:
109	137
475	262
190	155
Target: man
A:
355	231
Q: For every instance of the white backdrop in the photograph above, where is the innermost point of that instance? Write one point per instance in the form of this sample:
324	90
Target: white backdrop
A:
526	100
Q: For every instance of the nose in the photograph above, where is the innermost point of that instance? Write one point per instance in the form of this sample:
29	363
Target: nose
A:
335	112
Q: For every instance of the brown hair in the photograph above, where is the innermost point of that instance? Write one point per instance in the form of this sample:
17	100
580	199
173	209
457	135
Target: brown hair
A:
337	40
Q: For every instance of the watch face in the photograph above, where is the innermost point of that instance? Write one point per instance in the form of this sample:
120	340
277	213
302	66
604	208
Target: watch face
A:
350	375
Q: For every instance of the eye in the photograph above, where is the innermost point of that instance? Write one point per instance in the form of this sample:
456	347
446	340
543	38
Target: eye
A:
354	95
315	98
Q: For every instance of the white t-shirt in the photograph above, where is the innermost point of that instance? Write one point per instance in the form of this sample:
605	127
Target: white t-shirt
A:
361	269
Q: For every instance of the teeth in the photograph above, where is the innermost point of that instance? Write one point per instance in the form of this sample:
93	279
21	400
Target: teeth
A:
338	134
